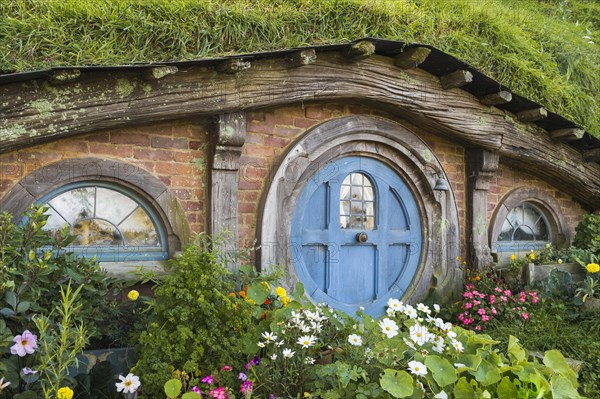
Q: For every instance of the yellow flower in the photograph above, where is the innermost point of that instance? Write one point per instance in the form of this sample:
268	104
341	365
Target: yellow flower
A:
242	294
548	246
593	267
133	295
64	393
281	292
532	255
513	257
560	261
285	301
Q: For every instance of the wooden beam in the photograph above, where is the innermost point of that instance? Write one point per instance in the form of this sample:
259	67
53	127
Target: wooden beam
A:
360	50
159	72
457	78
532	115
63	76
304	57
570	134
592	155
412	58
234	66
501	97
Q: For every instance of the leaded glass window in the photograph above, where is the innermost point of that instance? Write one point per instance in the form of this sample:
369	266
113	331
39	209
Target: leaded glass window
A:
109	222
357	202
525	223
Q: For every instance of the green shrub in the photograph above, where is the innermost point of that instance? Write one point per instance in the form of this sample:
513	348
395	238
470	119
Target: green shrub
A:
35	264
587	233
196	326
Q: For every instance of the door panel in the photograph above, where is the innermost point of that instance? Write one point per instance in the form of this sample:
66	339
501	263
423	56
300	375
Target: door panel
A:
359	231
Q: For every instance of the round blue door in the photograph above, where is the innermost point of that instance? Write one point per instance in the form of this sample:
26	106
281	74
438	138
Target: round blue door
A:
356	235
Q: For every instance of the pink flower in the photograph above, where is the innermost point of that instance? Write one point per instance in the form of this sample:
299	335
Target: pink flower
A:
534	299
207	380
468	305
492	299
498	289
198	391
507	293
246	387
494	311
485	318
467	294
522	299
525	315
226	368
25	343
481	311
476	302
478	328
469	286
219	393
504	299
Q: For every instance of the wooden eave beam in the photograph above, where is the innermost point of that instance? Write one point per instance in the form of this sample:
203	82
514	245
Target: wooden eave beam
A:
413	96
412	58
501	97
159	72
570	134
302	58
532	115
234	65
63	76
359	51
455	79
592	155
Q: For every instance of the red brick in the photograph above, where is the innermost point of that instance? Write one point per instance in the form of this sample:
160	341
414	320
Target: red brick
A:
279	118
191	206
115	150
248	195
167	142
257	149
259	127
71	146
174	168
197	145
317	112
152	154
184	181
277	141
40	157
246	207
304	123
98	137
130	138
183	156
287	131
246	184
255	138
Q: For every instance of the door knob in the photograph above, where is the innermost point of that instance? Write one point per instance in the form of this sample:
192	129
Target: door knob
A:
362	237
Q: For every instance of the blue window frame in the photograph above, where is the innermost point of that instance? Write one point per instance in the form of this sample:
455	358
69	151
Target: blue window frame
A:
524	228
109	221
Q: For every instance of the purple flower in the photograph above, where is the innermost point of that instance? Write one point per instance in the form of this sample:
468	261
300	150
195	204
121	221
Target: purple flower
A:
246	387
242	377
208	379
272	396
27	371
24	344
255	361
195	389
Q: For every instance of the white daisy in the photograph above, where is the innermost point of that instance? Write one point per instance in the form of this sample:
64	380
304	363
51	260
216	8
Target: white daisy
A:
128	384
306	341
423	308
260	344
274	356
269	336
389	327
436	307
410	312
355	339
309	360
420	335
417	368
395	305
288	353
458	346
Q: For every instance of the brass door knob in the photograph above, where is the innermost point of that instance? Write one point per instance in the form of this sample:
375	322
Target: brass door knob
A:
362	237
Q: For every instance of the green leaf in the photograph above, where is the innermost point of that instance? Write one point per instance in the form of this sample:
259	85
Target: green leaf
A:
442	370
26	395
556	361
23	307
507	390
173	388
487	373
191	395
562	388
257	292
399	384
11	299
299	291
464	390
516	350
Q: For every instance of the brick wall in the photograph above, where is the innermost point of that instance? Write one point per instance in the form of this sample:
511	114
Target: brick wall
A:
177	153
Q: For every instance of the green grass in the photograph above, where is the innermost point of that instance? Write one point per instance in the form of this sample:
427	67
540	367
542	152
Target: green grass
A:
551	328
538	48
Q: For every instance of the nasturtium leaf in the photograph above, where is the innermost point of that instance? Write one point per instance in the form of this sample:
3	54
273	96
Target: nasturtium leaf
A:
173	388
516	350
471	361
442	370
464	390
299	291
556	361
397	383
562	388
257	292
191	395
487	373
507	390
26	395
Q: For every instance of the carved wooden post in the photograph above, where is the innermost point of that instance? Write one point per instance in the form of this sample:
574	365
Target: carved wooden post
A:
224	181
481	167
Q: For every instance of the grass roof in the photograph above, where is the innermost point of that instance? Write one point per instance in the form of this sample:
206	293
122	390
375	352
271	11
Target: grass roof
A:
545	50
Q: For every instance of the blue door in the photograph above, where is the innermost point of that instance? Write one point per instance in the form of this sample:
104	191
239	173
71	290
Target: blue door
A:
356	235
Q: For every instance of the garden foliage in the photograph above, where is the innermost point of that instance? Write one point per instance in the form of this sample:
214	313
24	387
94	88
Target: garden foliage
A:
587	233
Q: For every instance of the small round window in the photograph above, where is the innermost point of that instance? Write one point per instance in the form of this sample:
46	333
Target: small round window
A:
525	225
357	202
108	221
